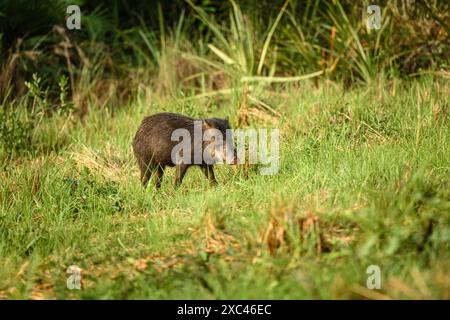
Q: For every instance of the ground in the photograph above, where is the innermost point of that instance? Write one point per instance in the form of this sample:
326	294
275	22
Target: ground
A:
363	180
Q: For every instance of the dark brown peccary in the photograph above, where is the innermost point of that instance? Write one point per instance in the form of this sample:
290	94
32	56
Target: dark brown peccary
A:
153	146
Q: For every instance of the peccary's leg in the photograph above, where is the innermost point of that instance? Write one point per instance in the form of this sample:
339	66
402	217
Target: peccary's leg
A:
158	176
181	171
208	170
147	169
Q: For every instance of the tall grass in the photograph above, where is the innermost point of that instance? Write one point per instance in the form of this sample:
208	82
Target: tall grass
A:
293	41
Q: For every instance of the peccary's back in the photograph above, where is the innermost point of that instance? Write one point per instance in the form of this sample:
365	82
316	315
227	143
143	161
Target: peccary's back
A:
153	138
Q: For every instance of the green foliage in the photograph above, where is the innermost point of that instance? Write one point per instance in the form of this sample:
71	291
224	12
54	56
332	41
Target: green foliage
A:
264	42
16	126
363	179
20	120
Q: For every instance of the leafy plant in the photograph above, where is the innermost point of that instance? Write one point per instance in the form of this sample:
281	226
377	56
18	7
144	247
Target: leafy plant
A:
19	120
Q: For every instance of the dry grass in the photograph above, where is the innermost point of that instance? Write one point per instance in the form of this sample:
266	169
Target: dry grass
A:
108	163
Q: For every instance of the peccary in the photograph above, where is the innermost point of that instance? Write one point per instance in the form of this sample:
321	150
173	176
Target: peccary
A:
157	145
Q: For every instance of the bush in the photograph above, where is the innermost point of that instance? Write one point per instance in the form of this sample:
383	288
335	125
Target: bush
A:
20	119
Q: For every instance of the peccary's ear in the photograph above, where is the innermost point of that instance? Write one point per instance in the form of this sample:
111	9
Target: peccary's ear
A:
216	123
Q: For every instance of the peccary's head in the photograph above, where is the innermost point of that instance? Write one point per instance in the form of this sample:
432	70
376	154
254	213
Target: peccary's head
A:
218	141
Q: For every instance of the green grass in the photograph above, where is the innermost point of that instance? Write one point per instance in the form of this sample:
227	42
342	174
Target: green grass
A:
365	171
